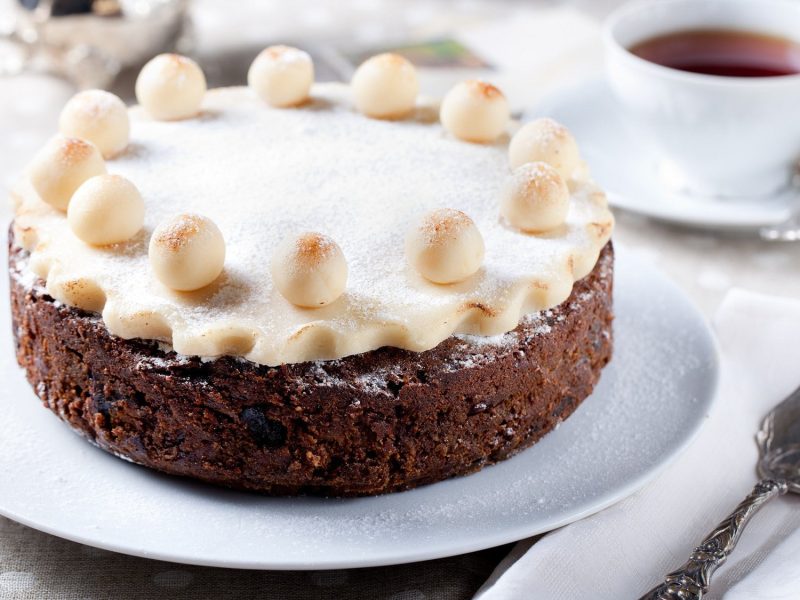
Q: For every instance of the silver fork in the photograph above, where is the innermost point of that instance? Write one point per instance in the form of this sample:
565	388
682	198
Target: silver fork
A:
779	467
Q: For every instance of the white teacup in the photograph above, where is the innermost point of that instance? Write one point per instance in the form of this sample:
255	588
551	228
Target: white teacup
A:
720	136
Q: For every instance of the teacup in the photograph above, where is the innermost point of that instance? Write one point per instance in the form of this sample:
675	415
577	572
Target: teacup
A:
719	136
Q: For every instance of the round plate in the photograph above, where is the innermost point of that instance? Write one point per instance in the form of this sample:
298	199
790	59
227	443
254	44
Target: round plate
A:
626	166
651	400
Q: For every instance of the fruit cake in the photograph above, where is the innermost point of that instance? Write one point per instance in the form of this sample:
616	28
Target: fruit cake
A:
294	287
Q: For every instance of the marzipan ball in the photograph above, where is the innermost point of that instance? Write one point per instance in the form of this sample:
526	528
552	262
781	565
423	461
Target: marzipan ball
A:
536	198
187	252
106	209
171	87
62	166
281	76
99	117
475	111
385	86
445	246
547	141
309	270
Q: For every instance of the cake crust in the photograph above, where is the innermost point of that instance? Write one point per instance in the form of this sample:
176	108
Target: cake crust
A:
381	421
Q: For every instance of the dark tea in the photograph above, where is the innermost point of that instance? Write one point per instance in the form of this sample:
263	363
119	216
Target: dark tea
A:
728	53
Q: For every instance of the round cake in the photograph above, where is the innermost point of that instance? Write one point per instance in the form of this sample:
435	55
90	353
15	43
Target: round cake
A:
309	288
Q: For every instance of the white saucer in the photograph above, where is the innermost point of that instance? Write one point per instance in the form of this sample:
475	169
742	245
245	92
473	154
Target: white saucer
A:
627	167
652	398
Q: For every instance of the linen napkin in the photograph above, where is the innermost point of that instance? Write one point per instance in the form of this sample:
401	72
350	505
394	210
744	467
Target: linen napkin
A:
622	552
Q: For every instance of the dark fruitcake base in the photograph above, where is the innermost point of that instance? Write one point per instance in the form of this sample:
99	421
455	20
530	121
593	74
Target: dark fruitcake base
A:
377	422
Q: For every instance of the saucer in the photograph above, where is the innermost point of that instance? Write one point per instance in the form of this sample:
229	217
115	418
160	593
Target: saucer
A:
631	172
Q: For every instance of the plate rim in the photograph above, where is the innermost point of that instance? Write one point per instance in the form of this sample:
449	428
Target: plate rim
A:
442	550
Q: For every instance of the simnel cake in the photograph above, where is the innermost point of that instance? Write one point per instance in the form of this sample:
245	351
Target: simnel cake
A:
304	288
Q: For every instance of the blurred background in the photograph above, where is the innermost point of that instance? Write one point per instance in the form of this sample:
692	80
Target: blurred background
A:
50	48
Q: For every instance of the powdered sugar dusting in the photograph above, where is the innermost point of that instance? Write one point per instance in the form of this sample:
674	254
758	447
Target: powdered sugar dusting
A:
651	398
283	56
502	340
261	173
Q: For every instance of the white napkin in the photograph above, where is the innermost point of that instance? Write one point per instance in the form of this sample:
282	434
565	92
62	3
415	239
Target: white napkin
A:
623	551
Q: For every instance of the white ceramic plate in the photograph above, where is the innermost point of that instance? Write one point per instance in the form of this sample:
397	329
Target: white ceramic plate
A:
651	400
624	163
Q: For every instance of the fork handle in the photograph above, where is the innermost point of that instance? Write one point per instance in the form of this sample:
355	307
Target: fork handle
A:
692	579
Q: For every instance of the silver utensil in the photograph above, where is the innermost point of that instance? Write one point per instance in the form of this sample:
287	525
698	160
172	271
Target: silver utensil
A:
89	41
779	467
